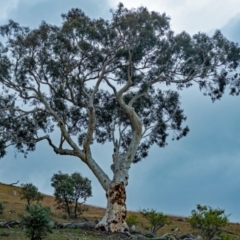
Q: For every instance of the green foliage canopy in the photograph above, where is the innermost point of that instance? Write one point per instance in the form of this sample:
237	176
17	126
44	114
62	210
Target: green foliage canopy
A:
69	189
208	221
58	73
30	193
132	219
156	219
36	221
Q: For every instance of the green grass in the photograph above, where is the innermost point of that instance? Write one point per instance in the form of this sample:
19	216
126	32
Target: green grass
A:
58	234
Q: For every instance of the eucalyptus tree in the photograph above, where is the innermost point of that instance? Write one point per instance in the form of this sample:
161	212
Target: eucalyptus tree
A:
101	81
30	193
68	190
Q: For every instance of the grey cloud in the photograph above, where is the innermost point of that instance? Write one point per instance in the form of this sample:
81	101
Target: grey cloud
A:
231	29
29	14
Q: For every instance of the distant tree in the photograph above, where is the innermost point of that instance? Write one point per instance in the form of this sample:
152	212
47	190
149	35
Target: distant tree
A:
208	221
1	208
98	81
30	193
82	190
63	191
37	221
69	189
156	219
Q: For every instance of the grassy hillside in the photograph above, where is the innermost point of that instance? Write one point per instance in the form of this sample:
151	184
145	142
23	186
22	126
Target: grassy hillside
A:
10	196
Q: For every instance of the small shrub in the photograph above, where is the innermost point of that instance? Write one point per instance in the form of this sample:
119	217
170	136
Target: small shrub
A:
156	219
37	221
226	236
1	208
208	221
132	219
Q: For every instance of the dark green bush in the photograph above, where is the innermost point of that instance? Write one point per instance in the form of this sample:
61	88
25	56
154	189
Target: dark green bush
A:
1	208
37	221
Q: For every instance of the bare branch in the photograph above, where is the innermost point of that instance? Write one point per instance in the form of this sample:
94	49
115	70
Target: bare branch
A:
62	151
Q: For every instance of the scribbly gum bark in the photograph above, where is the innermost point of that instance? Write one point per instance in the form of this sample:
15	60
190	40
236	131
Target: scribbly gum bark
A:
115	216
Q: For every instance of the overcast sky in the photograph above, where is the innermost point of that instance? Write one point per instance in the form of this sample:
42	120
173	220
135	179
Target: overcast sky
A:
202	168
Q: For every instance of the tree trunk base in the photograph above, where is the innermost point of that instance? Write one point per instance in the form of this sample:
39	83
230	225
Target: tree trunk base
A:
112	227
115	216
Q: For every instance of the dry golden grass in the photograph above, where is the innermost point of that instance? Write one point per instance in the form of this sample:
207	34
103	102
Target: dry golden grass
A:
14	206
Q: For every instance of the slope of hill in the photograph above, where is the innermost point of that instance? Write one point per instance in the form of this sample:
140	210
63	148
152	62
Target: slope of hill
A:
10	197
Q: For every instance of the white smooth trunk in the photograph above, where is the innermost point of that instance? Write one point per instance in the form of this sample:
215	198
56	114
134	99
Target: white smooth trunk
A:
114	219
